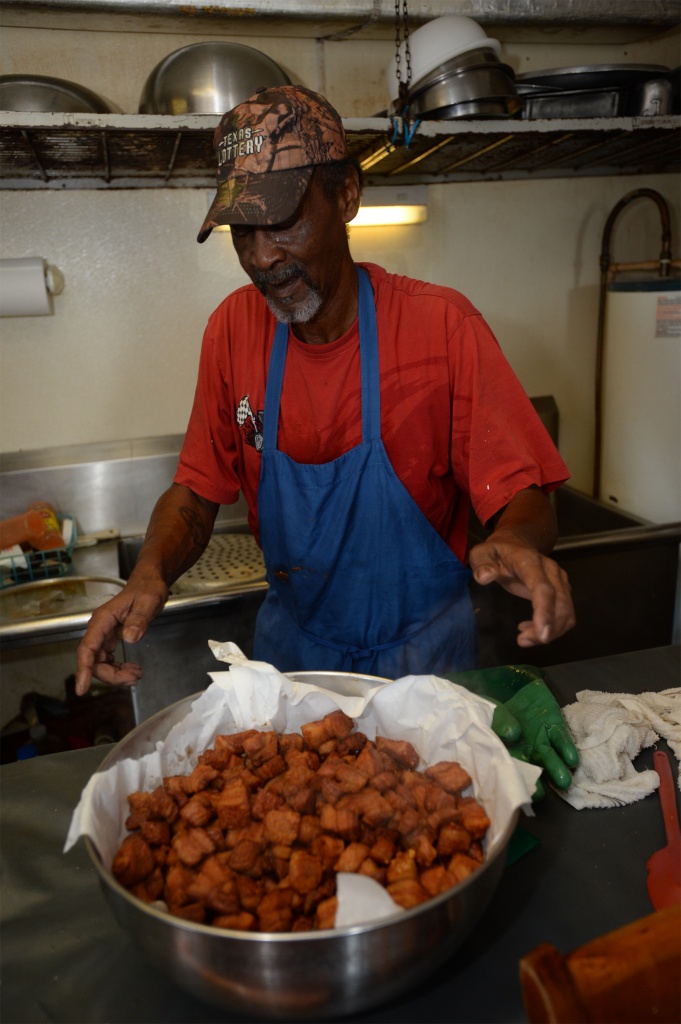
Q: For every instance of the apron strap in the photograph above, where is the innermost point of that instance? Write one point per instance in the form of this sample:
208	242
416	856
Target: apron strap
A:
275	378
368	348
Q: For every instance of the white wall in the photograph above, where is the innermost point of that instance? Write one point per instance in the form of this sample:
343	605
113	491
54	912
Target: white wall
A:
118	358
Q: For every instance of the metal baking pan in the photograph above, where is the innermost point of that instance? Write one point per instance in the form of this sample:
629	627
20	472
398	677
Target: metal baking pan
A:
596	76
647	99
574	103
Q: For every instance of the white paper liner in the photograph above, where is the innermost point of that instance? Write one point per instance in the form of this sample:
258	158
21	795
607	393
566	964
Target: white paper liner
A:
444	722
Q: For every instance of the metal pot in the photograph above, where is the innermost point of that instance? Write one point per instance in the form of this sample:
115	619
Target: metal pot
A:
50	95
208	78
299	975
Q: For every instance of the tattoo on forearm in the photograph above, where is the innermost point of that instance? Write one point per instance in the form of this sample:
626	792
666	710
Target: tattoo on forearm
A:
196	526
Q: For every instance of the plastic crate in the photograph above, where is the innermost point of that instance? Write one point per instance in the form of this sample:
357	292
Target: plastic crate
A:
39	565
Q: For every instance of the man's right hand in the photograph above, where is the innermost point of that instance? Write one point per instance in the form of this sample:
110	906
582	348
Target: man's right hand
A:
179	530
125	617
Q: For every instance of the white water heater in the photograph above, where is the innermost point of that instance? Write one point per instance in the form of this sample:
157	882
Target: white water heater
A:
641	416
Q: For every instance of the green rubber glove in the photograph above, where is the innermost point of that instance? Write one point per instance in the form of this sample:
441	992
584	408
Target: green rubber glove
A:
527	718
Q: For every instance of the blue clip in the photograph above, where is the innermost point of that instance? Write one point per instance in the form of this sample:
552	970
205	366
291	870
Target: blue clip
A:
396	131
400	127
409	132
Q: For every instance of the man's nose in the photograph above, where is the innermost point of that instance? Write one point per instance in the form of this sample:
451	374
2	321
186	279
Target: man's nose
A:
265	248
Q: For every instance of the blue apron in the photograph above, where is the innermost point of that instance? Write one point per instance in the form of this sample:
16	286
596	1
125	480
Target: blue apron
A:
360	581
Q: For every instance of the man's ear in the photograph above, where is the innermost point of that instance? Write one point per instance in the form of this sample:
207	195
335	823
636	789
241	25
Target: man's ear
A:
349	196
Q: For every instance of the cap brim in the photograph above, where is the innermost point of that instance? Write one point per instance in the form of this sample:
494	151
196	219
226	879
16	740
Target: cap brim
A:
257	199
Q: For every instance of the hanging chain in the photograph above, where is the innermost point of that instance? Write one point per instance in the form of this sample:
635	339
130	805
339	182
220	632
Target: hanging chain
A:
402	30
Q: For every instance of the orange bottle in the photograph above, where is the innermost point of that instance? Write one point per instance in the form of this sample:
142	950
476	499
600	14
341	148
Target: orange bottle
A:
38	527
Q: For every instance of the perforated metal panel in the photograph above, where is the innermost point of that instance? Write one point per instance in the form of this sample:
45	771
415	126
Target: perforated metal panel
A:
230	560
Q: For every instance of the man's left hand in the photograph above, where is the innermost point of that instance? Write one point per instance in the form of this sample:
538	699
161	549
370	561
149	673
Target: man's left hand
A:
525	572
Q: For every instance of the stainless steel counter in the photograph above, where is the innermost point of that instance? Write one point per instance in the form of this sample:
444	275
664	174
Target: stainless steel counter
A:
101	560
65	959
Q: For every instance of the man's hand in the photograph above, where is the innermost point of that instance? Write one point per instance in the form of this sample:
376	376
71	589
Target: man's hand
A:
515	556
179	530
125	617
525	572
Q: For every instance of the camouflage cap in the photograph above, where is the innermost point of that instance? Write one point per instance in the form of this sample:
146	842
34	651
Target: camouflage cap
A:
267	148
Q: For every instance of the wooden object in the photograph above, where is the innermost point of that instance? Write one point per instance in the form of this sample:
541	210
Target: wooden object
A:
629	976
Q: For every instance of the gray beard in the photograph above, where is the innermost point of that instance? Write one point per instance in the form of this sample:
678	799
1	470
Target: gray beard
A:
302	313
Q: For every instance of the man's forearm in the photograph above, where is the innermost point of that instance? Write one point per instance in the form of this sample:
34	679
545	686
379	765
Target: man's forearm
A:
178	532
528	518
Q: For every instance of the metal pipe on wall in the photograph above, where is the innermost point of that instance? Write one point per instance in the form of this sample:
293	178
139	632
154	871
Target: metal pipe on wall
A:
662	14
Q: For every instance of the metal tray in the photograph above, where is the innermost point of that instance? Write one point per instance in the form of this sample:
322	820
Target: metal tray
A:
230	560
596	76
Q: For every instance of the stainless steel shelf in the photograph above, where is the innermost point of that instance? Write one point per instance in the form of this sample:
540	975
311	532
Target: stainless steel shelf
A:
62	151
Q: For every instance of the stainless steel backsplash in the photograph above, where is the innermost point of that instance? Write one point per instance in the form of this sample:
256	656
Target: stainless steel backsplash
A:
104	485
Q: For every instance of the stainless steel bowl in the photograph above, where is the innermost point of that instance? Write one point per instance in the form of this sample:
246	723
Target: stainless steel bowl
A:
298	976
50	95
470	59
208	78
476	90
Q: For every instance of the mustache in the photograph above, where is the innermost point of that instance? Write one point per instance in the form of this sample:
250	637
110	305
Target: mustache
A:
263	278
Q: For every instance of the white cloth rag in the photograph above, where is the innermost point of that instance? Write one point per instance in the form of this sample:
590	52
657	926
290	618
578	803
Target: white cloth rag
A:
609	731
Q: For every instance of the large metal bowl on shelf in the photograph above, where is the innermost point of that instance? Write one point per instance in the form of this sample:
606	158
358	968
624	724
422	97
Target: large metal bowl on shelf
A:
208	78
299	975
50	95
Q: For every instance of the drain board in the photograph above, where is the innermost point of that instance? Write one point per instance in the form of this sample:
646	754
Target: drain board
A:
230	560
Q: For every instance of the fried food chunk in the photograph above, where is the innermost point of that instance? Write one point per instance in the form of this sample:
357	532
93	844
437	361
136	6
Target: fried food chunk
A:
282	826
453	838
461	866
260	747
473	817
133	861
305	871
352	857
156	833
233	805
163	805
198	810
326	913
192	845
408	893
450	775
335	725
274	911
402	751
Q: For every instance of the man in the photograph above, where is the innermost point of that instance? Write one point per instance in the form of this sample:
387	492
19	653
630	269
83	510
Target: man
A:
357	411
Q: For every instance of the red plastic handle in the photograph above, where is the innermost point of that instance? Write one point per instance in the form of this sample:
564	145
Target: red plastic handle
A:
667	798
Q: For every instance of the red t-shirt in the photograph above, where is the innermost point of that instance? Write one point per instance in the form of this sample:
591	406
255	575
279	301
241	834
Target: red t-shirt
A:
455	420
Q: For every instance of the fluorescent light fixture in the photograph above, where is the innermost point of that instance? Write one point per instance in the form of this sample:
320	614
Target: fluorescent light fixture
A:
392	206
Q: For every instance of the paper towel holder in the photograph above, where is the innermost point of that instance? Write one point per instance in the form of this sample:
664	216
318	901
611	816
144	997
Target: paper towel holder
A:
27	286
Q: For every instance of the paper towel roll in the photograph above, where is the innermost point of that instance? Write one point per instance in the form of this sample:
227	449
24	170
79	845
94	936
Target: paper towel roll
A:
23	287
